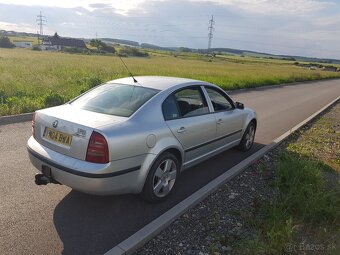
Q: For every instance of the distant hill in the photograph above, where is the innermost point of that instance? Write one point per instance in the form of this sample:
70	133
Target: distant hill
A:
14	33
155	47
243	52
212	50
268	55
120	41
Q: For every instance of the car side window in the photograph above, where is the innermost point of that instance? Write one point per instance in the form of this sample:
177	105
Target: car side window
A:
191	102
218	100
170	110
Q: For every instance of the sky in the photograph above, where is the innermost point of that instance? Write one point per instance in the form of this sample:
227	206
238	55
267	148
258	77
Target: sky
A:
288	27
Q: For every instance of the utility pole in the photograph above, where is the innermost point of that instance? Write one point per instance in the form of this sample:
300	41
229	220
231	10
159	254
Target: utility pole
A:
41	21
211	30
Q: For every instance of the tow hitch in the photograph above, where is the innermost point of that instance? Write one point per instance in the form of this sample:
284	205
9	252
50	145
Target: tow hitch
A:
45	177
41	179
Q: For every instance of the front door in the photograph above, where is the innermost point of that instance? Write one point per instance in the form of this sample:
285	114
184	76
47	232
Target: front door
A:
187	115
229	120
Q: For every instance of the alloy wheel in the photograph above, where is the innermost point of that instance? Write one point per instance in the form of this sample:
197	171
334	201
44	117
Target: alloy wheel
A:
164	178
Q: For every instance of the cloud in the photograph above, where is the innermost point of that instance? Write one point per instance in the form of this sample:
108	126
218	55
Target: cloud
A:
99	6
282	7
333	21
118	6
18	27
300	27
273	7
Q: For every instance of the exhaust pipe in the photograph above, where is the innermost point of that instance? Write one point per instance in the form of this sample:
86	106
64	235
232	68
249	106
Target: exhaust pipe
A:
41	179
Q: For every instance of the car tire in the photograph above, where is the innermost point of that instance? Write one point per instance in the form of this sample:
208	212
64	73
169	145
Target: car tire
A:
161	178
247	140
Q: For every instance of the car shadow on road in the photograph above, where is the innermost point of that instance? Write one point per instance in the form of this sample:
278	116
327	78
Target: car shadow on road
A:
88	224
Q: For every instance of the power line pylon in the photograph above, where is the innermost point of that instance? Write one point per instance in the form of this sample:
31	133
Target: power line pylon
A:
211	30
41	21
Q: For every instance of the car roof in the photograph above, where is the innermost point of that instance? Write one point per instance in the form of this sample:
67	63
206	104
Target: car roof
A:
157	82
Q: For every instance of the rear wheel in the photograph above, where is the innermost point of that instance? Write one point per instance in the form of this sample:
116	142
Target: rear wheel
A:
247	140
161	178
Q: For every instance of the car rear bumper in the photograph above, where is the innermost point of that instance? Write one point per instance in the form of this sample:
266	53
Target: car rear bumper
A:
117	177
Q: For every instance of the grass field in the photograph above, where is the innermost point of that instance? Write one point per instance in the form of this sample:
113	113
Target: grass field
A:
302	214
34	40
30	80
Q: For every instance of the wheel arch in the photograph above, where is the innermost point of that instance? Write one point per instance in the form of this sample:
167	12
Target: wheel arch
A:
254	120
251	117
151	158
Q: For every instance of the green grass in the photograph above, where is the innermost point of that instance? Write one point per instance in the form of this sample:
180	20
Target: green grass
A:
27	77
303	200
322	141
306	207
34	40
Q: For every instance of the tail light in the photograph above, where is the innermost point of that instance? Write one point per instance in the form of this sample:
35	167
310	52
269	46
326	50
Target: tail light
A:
97	150
33	125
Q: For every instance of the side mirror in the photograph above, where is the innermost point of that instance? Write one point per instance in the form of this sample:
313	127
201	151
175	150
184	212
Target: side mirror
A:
239	105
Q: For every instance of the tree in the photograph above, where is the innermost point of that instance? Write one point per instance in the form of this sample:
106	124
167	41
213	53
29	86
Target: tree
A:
184	49
101	46
96	43
108	48
132	51
5	42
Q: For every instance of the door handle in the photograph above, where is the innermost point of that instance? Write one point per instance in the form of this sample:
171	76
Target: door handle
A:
182	130
219	121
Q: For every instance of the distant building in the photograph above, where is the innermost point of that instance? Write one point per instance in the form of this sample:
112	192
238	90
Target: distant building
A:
23	44
59	43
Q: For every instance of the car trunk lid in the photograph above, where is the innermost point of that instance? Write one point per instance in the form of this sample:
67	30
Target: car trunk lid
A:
67	129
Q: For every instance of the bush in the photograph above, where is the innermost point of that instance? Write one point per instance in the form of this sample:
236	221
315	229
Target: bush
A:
101	46
5	42
16	105
36	48
184	49
122	55
108	48
131	51
4	110
73	50
53	99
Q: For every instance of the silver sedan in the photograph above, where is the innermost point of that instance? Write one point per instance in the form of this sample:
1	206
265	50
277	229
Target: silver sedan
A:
129	136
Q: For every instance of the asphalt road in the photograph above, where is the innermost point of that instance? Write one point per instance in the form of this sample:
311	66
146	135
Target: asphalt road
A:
54	219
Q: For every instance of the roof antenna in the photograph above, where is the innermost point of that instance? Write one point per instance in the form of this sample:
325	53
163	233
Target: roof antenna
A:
134	80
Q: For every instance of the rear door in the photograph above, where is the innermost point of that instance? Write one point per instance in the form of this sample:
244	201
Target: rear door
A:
229	120
186	113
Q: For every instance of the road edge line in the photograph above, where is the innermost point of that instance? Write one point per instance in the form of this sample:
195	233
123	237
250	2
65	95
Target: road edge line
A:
138	239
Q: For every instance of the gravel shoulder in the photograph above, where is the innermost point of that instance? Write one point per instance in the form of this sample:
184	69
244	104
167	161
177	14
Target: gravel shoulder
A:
227	221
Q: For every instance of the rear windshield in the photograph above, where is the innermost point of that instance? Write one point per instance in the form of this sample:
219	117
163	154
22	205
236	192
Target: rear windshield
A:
115	99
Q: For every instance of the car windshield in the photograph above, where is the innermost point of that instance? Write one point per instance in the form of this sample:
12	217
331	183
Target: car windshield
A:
115	99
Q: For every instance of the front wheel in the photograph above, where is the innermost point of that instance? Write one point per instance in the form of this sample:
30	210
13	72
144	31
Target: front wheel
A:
247	140
161	178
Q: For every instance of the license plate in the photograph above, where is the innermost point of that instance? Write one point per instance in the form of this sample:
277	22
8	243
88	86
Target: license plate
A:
58	137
